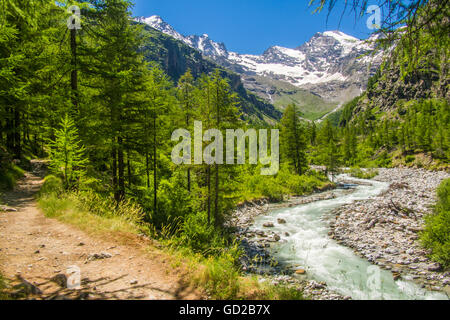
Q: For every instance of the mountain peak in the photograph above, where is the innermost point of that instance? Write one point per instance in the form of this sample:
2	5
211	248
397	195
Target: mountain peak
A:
203	43
158	23
340	36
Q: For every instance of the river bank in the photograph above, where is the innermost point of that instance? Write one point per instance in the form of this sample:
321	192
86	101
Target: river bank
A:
382	229
385	229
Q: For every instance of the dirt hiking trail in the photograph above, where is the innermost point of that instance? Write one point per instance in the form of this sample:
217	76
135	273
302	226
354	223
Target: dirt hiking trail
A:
39	255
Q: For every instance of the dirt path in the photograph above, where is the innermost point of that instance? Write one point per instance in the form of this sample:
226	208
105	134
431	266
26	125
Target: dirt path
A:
38	249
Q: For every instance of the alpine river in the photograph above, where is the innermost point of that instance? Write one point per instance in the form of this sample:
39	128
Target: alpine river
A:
309	246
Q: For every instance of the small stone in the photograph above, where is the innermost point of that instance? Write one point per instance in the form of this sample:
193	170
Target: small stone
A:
281	221
99	256
435	267
268	225
133	282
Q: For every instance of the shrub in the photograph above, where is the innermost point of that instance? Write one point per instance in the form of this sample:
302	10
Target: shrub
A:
221	276
52	185
9	175
363	174
201	237
4	295
436	235
410	159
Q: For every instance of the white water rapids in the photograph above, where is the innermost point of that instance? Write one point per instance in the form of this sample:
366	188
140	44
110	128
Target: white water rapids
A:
309	246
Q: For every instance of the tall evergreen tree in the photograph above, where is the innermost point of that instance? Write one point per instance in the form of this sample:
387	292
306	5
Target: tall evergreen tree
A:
293	139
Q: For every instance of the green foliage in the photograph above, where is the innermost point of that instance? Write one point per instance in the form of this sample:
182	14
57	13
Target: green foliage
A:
67	154
347	111
363	174
329	147
9	176
4	294
374	139
201	237
436	235
293	139
221	276
285	183
52	185
410	159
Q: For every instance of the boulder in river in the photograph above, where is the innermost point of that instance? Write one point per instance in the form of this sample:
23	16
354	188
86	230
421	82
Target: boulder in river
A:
268	225
281	221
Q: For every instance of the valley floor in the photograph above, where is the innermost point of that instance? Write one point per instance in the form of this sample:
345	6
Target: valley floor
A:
36	252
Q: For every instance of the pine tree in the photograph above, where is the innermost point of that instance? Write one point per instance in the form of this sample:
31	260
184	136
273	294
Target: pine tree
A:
117	70
293	139
329	147
67	154
186	94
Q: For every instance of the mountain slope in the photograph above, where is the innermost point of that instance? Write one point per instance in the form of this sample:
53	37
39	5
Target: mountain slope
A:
175	57
332	65
281	94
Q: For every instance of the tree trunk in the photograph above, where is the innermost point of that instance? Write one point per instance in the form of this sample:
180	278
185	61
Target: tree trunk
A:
216	198
208	179
114	172
189	179
17	142
129	168
147	168
121	167
74	74
155	157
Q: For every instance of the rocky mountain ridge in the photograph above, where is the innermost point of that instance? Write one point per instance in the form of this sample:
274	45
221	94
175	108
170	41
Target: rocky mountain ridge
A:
332	65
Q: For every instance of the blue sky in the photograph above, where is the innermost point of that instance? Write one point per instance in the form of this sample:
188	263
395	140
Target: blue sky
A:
251	26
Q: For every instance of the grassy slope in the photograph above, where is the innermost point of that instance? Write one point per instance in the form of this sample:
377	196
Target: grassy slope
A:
313	107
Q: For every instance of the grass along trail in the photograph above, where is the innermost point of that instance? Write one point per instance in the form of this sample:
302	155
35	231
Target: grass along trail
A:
36	252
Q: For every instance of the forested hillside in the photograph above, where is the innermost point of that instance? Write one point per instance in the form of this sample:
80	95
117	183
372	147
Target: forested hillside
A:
403	117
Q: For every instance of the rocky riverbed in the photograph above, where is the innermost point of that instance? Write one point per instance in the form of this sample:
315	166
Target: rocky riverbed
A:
385	229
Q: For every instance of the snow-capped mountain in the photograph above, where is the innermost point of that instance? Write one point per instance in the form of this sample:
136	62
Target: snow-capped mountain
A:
332	64
203	43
